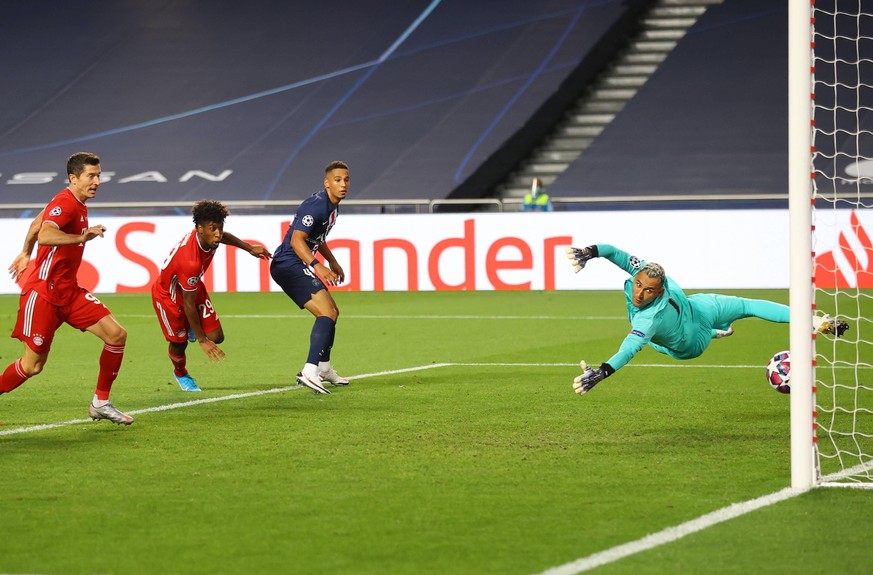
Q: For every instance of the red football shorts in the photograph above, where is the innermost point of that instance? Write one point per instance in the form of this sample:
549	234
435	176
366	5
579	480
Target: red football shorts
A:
174	323
38	320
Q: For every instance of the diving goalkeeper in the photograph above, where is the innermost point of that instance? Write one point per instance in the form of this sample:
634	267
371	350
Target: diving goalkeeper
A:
663	317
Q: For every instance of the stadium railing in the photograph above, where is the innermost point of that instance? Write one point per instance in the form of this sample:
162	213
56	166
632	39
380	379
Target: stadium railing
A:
430	206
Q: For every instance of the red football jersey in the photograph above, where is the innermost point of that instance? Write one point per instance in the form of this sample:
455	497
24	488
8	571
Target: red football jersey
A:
183	268
54	275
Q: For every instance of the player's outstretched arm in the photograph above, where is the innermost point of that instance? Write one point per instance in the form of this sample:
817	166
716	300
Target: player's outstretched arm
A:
50	235
257	250
579	256
260	252
590	377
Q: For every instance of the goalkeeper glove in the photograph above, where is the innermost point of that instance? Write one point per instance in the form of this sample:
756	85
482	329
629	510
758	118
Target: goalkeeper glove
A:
580	256
591	377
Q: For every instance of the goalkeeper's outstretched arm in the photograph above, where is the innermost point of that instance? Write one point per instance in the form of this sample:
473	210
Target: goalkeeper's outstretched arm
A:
591	377
580	256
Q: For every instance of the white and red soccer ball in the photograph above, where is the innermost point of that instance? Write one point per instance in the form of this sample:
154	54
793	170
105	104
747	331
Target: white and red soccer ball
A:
779	372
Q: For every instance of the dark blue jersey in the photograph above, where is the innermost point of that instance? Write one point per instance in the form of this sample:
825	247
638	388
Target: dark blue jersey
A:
315	216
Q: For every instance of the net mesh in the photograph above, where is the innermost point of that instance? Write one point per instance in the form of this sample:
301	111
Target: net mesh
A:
842	161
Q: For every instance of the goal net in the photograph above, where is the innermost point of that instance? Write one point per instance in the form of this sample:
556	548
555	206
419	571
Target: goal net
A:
842	238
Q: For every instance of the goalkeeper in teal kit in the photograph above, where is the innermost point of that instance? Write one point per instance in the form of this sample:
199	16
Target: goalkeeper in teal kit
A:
663	317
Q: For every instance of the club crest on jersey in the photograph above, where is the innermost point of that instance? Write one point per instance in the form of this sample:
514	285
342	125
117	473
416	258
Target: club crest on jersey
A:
56	211
307	220
192	282
635	262
38	340
181	333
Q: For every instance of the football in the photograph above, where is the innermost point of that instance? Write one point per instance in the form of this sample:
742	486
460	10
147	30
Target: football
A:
779	372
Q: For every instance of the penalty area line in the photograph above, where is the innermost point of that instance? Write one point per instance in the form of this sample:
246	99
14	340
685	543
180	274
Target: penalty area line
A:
671	533
206	400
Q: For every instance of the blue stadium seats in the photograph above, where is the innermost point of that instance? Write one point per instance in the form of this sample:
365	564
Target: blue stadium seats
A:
249	101
712	120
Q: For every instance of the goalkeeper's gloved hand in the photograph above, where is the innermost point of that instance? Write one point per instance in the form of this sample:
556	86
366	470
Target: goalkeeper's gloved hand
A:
580	256
590	377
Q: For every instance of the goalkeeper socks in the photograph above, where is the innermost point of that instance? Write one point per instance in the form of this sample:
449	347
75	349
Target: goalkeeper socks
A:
319	338
12	377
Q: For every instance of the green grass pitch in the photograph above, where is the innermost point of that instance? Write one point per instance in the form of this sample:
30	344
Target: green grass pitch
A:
458	448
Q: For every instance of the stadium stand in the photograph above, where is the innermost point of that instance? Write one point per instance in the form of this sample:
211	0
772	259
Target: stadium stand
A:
250	102
711	121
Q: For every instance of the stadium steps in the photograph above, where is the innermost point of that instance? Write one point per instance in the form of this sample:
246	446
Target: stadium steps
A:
662	26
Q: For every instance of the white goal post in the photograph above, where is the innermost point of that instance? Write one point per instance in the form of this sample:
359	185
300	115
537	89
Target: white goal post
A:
800	222
830	153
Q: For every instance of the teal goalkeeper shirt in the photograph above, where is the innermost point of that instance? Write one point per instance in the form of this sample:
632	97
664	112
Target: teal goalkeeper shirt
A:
665	324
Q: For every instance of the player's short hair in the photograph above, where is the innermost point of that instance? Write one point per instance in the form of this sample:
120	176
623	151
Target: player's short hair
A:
654	271
335	165
77	162
206	211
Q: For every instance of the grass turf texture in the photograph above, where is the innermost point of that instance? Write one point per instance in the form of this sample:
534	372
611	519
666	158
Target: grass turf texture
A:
489	468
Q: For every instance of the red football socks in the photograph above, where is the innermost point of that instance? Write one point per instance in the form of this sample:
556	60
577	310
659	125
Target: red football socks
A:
110	363
12	377
178	364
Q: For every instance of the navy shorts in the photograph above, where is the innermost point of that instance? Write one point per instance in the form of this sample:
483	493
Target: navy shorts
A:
296	280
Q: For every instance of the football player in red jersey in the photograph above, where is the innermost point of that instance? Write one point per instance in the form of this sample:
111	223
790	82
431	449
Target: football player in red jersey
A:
180	299
51	295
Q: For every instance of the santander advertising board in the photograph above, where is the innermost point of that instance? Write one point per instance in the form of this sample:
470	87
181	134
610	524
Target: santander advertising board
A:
445	252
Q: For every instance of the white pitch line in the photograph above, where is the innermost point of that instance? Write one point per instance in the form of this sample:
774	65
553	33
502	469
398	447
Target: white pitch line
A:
671	533
193	402
45	426
405	370
349	316
576	365
579	565
675	365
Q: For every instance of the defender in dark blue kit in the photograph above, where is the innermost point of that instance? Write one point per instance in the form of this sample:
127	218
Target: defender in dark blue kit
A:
302	276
